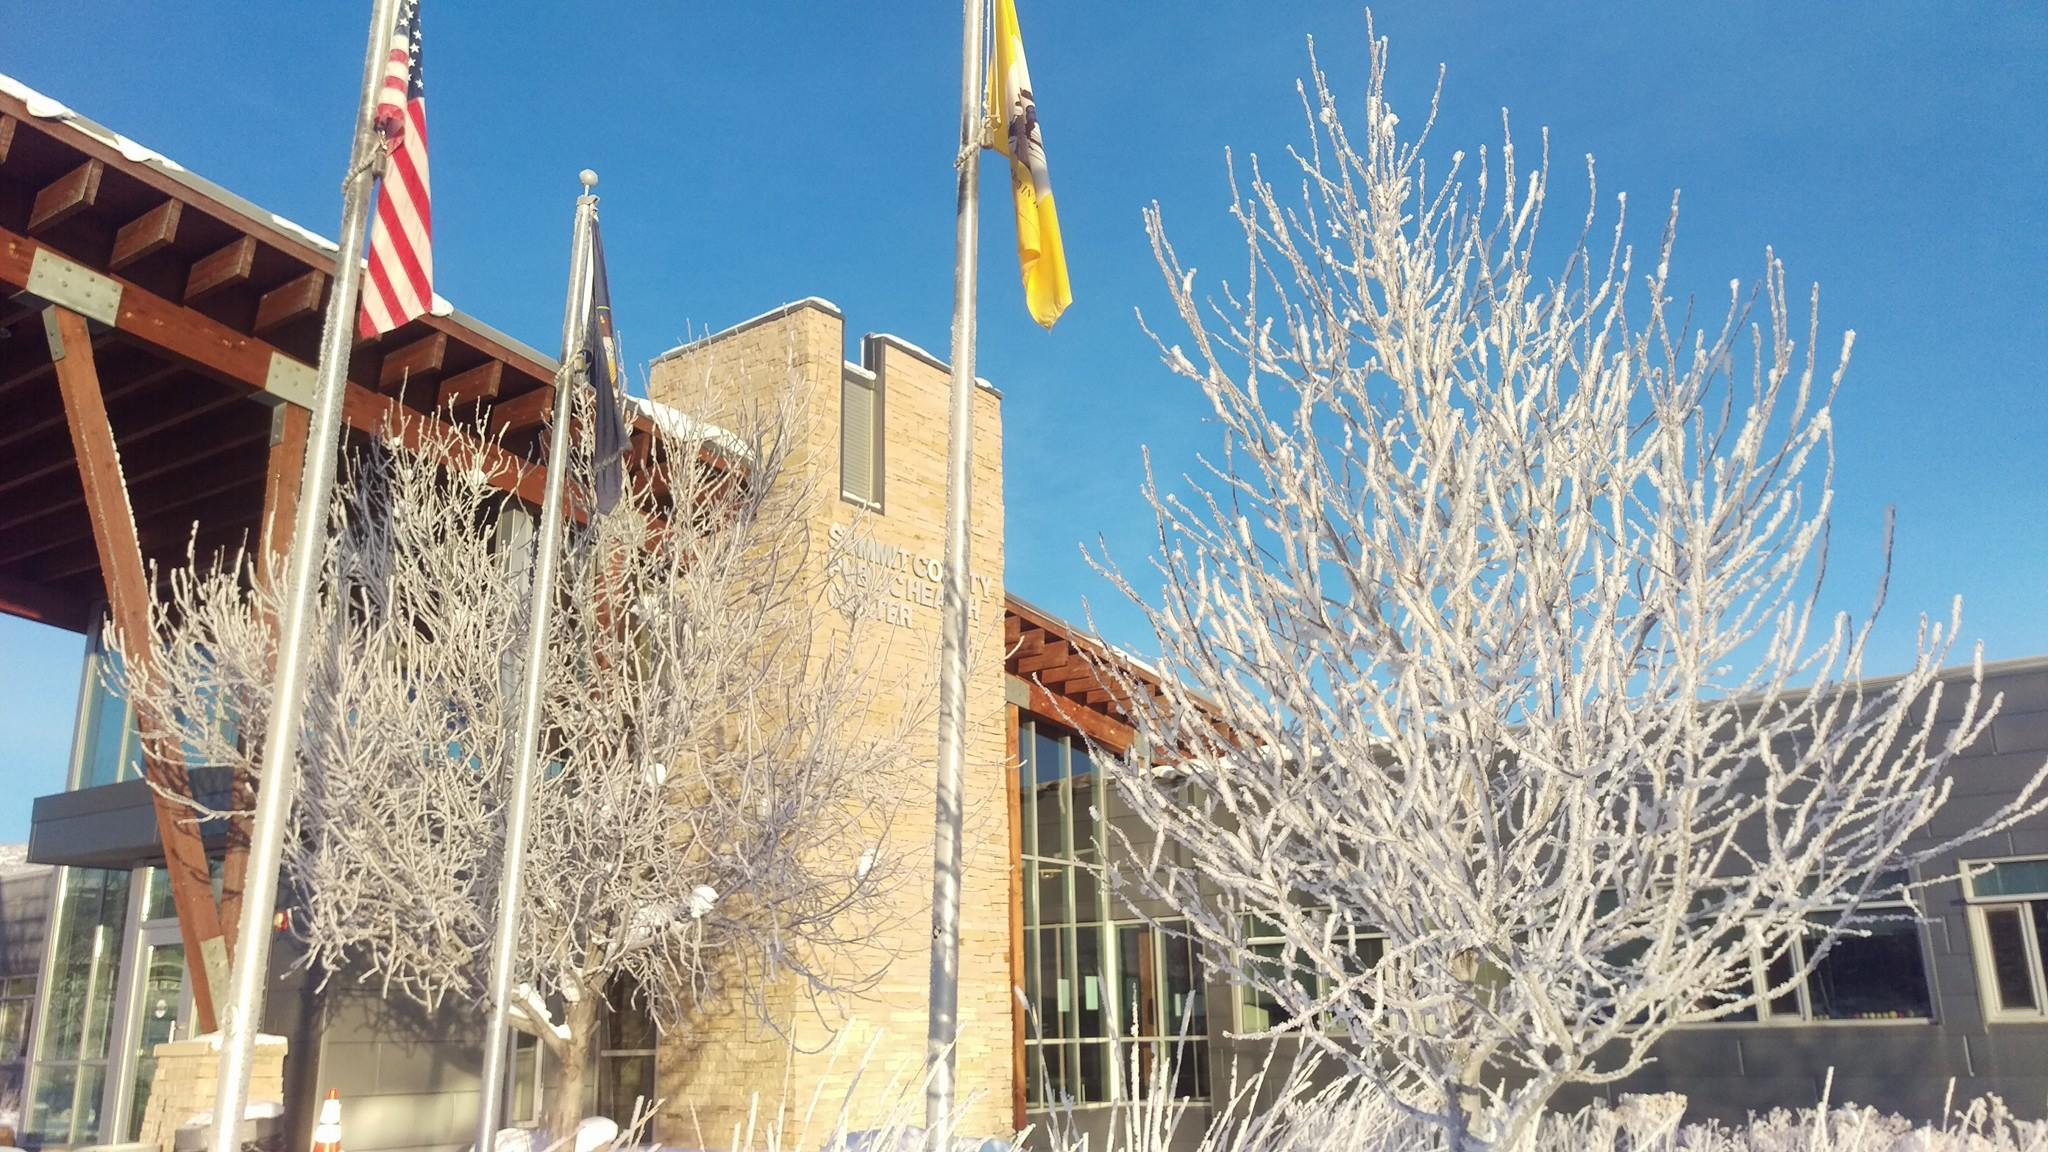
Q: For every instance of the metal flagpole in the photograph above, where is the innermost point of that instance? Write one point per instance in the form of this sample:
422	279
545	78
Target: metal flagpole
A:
505	948
243	1016
943	1027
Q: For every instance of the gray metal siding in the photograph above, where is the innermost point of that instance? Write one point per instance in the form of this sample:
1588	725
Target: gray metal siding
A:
1730	1070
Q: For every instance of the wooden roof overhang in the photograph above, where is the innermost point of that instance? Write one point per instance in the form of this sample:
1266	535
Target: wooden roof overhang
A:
205	315
1058	667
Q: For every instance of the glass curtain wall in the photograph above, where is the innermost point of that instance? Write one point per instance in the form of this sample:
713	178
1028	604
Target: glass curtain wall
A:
1110	997
73	1045
109	748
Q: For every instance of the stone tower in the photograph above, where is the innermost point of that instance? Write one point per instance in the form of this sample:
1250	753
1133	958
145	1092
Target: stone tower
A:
890	413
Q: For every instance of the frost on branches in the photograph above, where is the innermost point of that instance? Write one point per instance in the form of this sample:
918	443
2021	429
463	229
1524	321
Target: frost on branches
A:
1492	635
707	821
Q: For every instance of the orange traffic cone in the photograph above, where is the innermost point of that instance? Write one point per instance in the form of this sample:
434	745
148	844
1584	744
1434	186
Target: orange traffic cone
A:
327	1133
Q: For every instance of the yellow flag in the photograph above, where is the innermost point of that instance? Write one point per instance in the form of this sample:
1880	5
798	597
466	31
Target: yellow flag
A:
1046	291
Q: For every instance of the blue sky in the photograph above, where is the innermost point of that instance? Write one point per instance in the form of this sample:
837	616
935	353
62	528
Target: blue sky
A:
760	152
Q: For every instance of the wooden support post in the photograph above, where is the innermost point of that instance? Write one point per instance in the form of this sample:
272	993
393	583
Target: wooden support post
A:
128	597
288	425
1011	762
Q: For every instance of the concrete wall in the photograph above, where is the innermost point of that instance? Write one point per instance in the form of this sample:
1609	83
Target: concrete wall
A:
713	1070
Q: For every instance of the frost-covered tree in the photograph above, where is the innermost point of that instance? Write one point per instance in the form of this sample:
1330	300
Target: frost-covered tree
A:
1492	668
714	789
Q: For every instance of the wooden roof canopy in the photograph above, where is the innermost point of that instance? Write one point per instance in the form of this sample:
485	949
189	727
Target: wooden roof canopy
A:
205	315
211	326
1058	665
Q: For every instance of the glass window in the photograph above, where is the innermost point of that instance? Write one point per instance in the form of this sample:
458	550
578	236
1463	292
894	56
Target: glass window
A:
1261	1002
625	1054
162	1020
2009	878
1877	971
1091	991
17	1008
523	1108
2010	927
1103	997
1160	1014
1879	976
111	751
1778	974
157	903
71	1054
2005	931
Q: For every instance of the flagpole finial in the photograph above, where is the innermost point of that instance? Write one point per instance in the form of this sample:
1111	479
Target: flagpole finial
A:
588	177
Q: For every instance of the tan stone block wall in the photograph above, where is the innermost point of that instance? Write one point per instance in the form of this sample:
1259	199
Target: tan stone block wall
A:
183	1082
715	1071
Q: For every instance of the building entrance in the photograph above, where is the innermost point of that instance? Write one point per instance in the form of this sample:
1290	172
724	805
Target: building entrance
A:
159	1011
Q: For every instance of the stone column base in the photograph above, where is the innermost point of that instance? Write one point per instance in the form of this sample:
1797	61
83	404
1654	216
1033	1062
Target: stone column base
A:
183	1083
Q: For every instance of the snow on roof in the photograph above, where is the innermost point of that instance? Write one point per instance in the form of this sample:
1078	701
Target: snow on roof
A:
771	314
44	108
935	361
14	861
675	422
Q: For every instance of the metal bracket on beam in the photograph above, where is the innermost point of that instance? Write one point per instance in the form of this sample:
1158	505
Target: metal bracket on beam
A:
1016	691
55	280
291	381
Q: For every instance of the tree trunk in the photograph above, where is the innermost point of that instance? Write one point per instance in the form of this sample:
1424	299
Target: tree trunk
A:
565	1105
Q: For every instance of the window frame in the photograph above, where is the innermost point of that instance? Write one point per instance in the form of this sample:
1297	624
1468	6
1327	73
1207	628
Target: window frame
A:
1759	973
853	376
1082	869
1352	937
1991	1001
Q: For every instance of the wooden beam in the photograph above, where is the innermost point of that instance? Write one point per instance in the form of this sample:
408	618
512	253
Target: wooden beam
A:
474	386
42	604
1030	642
161	458
63	197
1054	654
147	234
33	468
1074	678
522	411
228	265
384	416
295	299
204	343
128	596
158	536
288	425
7	124
281	475
168	420
412	363
1111	734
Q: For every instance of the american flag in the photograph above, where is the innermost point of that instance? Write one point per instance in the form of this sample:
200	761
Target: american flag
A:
400	285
